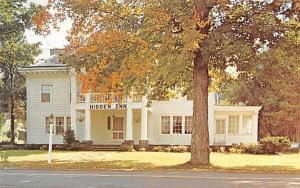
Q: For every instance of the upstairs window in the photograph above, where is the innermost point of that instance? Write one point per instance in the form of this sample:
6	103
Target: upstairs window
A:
45	93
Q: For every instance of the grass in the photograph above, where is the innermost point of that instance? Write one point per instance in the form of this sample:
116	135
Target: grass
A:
89	160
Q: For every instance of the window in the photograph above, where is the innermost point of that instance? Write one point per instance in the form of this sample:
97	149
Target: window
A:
165	125
220	126
47	125
59	125
177	125
188	125
45	93
118	128
247	125
233	124
68	123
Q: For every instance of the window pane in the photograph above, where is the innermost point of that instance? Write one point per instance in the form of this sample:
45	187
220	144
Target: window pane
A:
45	93
247	125
59	125
45	97
165	124
233	124
188	124
220	126
118	124
47	126
177	124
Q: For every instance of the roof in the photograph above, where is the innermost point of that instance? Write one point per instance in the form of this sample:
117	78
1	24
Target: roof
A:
236	108
48	64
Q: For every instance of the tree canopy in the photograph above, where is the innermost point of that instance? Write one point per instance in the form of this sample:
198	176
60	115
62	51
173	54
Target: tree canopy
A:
15	17
157	47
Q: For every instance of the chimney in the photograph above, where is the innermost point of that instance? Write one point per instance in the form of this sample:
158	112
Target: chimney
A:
58	52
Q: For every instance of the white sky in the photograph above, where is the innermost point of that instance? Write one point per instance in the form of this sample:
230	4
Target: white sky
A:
56	39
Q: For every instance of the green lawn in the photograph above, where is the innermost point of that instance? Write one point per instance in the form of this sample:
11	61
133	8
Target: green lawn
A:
89	160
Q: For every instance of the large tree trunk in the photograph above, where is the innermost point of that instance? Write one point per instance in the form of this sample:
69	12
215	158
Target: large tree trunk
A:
200	136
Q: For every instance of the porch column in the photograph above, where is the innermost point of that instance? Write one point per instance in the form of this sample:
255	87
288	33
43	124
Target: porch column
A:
144	124
73	100
128	136
87	129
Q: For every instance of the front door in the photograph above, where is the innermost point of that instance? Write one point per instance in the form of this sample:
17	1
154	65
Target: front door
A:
220	131
118	130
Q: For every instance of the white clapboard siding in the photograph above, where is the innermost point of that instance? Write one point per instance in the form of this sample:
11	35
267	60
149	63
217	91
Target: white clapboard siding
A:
175	108
37	111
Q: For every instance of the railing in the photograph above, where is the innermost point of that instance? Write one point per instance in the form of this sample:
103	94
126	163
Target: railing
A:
110	97
81	98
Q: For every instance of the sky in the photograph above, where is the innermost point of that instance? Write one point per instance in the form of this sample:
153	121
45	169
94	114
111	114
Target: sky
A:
56	39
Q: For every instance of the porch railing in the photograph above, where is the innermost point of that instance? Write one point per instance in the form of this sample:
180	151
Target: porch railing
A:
109	97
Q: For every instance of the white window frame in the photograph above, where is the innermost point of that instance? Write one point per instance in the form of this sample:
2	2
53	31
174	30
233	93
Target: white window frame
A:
170	125
50	87
220	119
184	126
242	126
237	126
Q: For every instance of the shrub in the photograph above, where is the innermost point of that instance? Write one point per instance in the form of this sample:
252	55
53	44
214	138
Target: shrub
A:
158	149
235	150
4	156
222	149
167	149
274	144
253	149
44	147
127	148
69	137
179	149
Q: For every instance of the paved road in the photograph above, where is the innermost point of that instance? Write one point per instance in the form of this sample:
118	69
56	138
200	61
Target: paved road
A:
144	179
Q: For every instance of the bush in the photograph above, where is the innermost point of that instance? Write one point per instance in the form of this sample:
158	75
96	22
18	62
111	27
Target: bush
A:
69	137
44	147
274	144
253	149
179	149
127	148
4	156
235	150
158	149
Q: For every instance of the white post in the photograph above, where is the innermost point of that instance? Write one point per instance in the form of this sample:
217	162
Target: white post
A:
144	125
73	100
50	142
88	118
129	125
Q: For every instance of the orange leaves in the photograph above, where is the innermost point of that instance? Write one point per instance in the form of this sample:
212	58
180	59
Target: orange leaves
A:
42	19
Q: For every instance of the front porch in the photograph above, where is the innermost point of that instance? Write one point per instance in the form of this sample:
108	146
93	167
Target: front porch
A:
100	126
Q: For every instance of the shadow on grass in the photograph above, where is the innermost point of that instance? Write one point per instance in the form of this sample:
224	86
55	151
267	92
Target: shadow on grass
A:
18	153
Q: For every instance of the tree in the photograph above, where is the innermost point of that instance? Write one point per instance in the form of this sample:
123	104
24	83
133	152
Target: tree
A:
274	85
15	52
158	44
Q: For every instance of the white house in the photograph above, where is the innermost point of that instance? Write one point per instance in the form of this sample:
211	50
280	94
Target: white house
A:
52	88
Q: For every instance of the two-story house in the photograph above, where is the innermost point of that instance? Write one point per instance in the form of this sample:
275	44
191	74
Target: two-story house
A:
53	88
